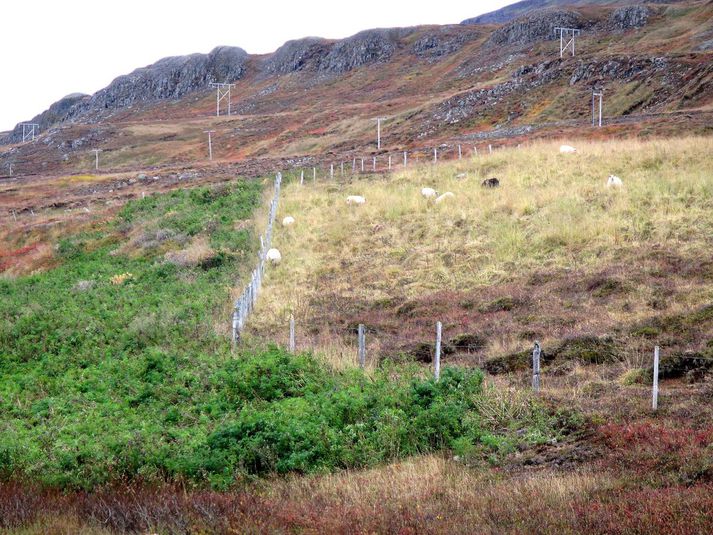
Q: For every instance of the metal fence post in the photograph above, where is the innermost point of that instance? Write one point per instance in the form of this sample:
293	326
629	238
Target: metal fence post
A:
362	347
655	394
536	352
437	358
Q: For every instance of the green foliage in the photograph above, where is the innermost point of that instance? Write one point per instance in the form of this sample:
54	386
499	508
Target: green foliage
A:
118	381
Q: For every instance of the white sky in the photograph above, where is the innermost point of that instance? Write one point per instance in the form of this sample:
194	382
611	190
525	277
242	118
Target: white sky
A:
51	48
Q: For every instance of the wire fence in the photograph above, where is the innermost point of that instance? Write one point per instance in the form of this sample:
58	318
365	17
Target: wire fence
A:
245	304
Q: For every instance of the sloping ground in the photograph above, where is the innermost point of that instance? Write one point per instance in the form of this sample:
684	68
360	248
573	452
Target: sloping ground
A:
551	254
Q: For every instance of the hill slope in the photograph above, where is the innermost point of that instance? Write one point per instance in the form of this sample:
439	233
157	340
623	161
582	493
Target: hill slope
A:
434	83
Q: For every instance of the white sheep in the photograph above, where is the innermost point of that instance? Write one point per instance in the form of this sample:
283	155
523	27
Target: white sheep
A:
288	221
446	195
356	199
274	256
567	149
614	182
429	193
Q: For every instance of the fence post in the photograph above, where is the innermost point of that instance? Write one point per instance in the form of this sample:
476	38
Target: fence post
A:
475	150
460	153
292	334
302	177
354	165
405	159
437	358
655	400
362	347
536	352
331	171
314	174
435	155
490	149
375	164
362	165
235	329
342	169
389	162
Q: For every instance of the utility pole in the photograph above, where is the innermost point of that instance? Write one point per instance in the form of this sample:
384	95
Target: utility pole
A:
378	131
96	158
210	143
569	34
222	91
597	93
29	130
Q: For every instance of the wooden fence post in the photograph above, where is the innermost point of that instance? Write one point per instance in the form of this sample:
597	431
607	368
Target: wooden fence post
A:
302	177
389	162
460	153
536	352
405	160
362	347
437	358
655	394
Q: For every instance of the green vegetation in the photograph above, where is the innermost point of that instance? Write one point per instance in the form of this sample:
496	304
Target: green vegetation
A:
113	369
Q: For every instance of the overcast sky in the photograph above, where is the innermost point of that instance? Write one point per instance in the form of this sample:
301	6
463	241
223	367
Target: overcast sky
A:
52	48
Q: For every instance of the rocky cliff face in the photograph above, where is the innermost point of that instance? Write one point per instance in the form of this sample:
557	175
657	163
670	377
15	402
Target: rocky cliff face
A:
58	112
172	78
535	27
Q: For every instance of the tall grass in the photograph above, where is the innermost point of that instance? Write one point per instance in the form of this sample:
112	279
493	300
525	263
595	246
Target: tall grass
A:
552	212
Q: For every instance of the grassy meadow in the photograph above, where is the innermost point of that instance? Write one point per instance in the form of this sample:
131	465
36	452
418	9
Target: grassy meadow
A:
551	227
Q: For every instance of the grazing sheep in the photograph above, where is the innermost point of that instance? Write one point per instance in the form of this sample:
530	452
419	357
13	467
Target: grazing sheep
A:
274	256
490	183
446	195
567	149
429	193
356	199
288	221
614	182
462	175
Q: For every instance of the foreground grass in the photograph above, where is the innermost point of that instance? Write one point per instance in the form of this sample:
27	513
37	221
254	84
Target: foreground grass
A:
551	220
425	495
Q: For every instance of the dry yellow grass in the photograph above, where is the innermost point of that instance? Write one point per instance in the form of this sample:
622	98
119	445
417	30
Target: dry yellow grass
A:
553	212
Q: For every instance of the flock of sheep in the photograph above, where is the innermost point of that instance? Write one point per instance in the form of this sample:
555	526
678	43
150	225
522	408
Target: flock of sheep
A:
431	195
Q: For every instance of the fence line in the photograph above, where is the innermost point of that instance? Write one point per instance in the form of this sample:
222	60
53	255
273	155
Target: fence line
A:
245	304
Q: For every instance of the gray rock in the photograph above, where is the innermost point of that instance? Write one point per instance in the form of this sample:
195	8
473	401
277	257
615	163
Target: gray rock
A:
61	110
537	26
364	48
172	78
629	17
443	42
298	55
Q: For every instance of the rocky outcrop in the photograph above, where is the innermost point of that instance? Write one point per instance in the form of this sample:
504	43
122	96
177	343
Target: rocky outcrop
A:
302	54
508	13
629	17
364	48
61	110
442	42
535	27
172	78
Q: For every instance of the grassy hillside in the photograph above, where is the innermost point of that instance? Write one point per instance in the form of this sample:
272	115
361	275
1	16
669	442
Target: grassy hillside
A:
551	253
115	367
